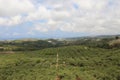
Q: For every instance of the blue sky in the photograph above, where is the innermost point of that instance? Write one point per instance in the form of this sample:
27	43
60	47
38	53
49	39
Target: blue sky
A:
58	18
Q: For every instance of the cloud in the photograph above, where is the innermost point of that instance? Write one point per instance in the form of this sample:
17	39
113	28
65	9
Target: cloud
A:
50	25
92	4
78	16
13	12
11	21
41	29
15	7
40	13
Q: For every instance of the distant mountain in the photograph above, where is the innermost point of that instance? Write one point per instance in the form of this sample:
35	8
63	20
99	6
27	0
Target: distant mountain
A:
61	39
92	37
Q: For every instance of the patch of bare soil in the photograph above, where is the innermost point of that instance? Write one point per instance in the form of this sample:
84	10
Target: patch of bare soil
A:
6	52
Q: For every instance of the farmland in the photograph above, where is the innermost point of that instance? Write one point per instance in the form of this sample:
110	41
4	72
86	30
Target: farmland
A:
87	62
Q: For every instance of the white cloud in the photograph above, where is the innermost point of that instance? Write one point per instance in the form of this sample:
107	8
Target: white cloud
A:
41	29
15	7
90	16
92	4
40	13
11	21
12	12
44	27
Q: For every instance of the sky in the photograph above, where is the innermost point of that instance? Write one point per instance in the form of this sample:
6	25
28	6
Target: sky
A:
58	18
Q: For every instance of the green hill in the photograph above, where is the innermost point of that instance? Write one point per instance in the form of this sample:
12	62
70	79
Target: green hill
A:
87	63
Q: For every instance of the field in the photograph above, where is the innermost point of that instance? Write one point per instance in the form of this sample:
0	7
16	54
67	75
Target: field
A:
88	63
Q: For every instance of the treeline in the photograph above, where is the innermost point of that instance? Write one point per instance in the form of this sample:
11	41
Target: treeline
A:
28	45
107	43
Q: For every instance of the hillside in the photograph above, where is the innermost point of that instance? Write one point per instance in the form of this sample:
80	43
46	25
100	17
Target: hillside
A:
35	44
115	43
88	63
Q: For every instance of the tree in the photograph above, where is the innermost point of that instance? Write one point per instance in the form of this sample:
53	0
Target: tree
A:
117	37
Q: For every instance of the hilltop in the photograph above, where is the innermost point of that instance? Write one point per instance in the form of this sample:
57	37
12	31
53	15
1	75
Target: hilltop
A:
88	63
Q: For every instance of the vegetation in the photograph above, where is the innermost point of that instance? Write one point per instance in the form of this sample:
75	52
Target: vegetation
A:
68	59
88	63
32	45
